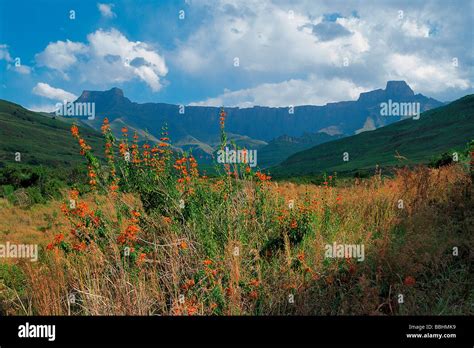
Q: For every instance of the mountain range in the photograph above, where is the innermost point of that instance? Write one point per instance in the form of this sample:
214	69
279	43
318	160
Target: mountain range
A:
314	145
197	127
408	142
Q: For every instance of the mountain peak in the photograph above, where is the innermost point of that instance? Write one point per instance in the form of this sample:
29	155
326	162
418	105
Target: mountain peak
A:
114	92
104	99
398	89
394	90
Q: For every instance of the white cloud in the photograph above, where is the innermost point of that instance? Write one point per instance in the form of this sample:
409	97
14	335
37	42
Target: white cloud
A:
106	10
412	28
61	55
280	54
21	69
424	75
312	91
266	39
43	107
107	57
4	54
11	63
45	90
273	46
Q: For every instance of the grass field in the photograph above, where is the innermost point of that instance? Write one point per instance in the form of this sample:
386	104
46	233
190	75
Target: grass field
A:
152	236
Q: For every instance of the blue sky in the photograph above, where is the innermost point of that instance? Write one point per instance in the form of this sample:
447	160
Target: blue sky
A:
229	52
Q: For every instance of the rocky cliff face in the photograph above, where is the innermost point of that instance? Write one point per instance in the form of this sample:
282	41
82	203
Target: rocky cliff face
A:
259	122
395	90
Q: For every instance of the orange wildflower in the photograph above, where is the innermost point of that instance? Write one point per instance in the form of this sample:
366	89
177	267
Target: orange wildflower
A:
191	309
74	194
262	177
105	126
222	117
64	209
74	131
189	283
136	213
141	259
80	246
294	224
122	148
254	282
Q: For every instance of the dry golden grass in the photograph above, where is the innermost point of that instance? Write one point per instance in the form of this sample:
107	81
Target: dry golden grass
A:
415	241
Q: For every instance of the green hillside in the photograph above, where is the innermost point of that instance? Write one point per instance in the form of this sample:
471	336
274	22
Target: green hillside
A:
41	140
282	147
438	130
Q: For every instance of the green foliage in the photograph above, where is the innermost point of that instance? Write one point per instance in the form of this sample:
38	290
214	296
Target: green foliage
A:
442	160
12	276
26	185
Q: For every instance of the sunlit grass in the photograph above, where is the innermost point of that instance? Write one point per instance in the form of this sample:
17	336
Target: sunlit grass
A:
153	236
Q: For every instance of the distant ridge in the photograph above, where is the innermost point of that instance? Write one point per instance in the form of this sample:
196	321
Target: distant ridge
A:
437	131
258	123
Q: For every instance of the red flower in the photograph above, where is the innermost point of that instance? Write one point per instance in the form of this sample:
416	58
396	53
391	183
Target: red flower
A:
409	281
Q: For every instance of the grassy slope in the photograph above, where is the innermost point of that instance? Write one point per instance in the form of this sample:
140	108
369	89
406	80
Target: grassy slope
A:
281	148
436	131
40	139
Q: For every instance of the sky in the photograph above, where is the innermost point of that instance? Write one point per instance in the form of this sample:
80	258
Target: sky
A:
233	53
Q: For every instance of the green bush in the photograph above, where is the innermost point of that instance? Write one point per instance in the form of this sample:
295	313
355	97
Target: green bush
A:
26	185
7	191
12	277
